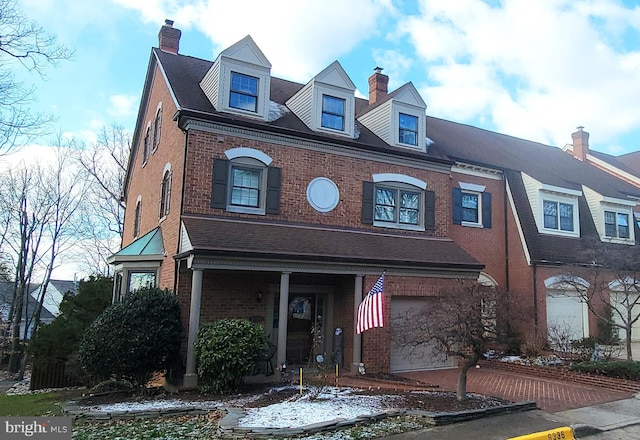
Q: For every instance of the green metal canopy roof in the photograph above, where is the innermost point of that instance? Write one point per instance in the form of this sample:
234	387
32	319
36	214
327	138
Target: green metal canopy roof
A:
150	246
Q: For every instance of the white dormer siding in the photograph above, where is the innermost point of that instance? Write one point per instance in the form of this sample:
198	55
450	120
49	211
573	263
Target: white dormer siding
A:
332	85
554	208
245	62
384	119
610	215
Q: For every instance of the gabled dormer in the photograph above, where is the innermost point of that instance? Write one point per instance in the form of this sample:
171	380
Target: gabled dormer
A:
613	217
554	208
398	118
327	102
240	80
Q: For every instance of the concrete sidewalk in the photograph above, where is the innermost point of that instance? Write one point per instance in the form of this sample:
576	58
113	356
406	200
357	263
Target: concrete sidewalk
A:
603	417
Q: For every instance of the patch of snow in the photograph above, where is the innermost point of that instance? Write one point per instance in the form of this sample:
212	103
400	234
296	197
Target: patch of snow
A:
315	407
150	405
428	141
276	111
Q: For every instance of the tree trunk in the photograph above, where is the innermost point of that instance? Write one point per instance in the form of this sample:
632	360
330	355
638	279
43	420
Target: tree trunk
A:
461	394
628	343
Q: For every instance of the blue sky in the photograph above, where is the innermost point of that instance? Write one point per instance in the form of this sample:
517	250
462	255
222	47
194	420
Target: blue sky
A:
532	69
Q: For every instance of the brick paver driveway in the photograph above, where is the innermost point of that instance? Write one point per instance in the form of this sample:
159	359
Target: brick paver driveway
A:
550	395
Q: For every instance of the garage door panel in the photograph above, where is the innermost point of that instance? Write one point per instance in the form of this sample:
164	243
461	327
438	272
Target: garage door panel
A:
408	357
565	313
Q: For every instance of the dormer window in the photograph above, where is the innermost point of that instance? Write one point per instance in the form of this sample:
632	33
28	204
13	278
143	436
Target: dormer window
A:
333	112
244	92
558	215
616	224
408	130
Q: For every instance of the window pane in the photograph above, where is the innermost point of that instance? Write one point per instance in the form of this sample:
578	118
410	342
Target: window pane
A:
566	217
409	200
409	216
550	214
470	204
409	207
623	226
244	92
609	224
332	112
408	126
385	205
245	187
138	280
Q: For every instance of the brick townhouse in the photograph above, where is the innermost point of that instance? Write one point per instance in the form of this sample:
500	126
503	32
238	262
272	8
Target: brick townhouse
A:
255	197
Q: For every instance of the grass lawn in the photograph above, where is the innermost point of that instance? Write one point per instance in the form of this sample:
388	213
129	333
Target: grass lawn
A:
31	404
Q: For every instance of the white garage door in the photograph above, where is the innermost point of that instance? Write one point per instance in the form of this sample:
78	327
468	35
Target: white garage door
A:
566	315
618	301
412	358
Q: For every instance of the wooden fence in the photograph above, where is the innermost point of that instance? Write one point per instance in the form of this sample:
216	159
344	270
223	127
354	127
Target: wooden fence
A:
51	374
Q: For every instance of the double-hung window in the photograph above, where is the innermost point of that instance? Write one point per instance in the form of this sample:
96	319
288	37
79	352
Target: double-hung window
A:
558	215
333	112
471	207
245	186
616	224
408	127
244	92
397	206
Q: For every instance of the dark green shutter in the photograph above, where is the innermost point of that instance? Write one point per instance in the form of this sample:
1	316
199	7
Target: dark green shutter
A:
430	210
367	202
457	206
219	183
486	210
273	190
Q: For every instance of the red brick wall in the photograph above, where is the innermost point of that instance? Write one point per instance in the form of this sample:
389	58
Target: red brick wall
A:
299	166
146	180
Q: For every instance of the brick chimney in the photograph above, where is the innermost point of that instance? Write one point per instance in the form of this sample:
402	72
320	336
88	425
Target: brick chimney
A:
169	37
378	83
580	144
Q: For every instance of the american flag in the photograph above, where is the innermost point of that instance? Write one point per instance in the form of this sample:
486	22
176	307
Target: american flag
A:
371	309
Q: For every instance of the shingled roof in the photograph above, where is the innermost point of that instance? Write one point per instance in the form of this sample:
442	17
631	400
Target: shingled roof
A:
258	239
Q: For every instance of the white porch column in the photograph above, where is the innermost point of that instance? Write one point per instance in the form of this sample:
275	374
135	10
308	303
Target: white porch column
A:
357	339
283	318
191	376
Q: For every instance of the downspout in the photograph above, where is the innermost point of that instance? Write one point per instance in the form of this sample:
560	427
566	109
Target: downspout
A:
535	300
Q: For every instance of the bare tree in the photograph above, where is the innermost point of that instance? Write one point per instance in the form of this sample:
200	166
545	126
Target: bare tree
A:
463	321
613	277
44	204
104	166
22	44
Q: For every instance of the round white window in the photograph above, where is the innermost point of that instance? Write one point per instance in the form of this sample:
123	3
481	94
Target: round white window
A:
323	194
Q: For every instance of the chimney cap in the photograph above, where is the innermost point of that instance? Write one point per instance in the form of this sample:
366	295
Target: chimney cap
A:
378	69
579	127
168	22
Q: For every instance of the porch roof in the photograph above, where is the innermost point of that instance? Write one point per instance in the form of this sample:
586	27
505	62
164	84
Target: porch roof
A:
148	247
242	238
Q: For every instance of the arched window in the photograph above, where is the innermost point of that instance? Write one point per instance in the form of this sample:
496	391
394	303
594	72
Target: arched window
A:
137	218
165	192
157	128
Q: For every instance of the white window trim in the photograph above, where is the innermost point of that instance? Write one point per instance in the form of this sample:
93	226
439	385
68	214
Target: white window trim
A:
319	91
154	145
619	209
163	203
262	106
247	162
398	108
545	196
479	223
401	182
235	153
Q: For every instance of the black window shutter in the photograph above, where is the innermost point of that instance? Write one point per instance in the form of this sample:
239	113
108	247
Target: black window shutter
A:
219	183
486	210
457	206
367	203
273	190
430	210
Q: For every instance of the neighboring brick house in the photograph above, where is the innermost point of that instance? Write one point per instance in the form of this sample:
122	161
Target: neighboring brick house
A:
255	197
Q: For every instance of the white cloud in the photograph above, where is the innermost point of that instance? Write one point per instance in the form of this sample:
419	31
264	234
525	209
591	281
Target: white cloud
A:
536	69
122	105
298	38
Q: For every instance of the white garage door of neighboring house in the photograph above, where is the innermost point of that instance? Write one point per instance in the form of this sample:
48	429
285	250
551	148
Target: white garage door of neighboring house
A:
617	299
567	314
404	358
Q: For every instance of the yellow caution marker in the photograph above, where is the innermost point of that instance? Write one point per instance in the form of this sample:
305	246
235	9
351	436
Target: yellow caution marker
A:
564	433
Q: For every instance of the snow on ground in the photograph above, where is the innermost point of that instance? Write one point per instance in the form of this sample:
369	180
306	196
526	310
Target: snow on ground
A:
313	406
308	410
